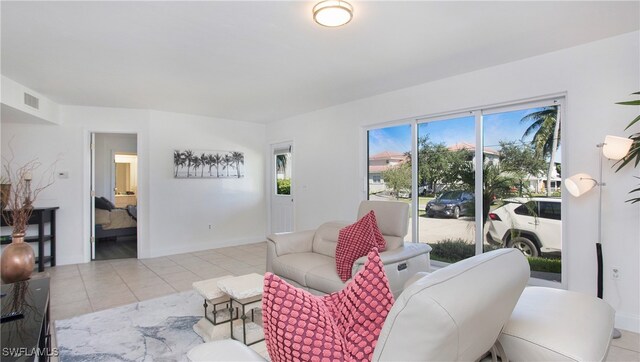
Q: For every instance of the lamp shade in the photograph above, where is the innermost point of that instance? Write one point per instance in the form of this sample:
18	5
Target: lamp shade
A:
332	13
615	148
579	183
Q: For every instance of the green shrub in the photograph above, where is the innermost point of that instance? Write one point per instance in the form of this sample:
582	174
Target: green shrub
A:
284	187
453	250
545	265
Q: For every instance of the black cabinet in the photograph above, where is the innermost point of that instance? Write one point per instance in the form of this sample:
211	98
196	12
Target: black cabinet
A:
27	338
40	217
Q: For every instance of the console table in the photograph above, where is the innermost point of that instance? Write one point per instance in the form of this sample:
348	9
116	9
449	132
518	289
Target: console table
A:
40	217
27	338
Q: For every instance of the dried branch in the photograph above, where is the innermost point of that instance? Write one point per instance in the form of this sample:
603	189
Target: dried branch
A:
24	191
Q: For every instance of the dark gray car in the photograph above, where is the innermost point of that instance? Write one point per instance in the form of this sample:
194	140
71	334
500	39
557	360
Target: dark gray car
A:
451	204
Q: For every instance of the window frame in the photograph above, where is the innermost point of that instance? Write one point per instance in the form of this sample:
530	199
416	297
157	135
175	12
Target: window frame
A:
558	99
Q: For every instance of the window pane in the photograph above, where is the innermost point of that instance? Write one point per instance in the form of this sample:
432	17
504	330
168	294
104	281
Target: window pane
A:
550	210
389	165
283	173
522	188
446	186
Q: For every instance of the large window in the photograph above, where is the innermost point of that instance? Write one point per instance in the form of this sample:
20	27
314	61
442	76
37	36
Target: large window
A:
485	179
446	215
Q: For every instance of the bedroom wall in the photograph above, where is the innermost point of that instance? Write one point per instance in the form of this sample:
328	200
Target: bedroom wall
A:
173	215
594	77
106	144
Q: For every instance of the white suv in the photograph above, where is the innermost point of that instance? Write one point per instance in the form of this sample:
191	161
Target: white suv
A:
532	225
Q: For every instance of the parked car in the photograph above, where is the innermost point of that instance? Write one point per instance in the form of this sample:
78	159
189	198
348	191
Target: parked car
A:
532	225
424	190
451	204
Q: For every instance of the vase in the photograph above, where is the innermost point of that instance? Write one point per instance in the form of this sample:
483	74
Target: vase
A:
5	191
17	261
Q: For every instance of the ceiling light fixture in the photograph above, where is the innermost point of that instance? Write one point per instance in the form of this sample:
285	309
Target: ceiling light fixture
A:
332	13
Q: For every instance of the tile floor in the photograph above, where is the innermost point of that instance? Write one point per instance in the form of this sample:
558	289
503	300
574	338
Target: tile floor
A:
85	288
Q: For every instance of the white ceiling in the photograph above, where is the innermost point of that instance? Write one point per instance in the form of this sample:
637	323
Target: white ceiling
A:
263	61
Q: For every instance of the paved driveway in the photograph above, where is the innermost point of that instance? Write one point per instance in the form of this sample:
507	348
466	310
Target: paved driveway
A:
435	230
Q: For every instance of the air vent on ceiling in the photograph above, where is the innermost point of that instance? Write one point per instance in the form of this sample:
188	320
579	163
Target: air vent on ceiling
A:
31	101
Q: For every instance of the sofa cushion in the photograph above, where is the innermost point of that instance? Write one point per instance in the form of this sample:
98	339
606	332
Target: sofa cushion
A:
340	326
459	310
296	266
393	219
325	278
558	325
357	240
223	350
326	238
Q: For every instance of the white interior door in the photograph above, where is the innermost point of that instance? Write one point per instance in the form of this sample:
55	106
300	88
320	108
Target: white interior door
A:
92	227
282	198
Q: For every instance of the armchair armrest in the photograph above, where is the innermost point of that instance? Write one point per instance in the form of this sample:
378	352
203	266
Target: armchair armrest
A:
294	242
408	251
400	264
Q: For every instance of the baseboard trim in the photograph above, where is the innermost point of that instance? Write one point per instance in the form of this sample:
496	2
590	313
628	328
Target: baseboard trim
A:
70	259
204	246
628	322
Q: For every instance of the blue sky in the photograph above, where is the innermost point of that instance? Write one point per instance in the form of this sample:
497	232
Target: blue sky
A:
497	127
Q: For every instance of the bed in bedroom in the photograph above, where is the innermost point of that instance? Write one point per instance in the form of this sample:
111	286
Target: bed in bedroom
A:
112	222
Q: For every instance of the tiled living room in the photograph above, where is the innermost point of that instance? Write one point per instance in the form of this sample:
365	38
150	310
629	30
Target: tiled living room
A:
85	288
350	180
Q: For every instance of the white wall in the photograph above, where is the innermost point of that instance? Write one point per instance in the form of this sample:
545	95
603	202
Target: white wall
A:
106	145
13	105
69	144
173	215
182	209
594	77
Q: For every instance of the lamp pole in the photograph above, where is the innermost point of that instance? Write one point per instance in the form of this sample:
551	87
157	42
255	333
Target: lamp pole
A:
616	333
600	184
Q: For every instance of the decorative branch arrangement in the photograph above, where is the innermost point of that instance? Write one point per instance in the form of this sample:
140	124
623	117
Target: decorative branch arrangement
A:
23	192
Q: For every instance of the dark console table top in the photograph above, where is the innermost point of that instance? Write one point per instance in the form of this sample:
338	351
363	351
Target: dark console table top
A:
30	297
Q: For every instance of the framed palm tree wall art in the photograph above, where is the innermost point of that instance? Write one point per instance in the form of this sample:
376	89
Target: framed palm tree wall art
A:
191	163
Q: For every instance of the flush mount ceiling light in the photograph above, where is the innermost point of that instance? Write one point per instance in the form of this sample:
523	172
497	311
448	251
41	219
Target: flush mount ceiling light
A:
332	13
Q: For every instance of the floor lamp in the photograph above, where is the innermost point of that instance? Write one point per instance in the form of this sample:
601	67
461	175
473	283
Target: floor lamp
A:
613	148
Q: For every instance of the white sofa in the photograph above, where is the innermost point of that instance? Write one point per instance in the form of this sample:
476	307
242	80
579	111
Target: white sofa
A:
457	313
453	314
306	259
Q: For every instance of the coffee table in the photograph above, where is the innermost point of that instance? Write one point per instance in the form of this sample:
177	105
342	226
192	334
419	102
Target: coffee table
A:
245	293
231	299
207	327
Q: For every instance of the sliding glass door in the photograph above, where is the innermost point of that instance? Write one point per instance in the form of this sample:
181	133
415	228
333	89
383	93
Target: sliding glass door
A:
477	181
446	197
522	207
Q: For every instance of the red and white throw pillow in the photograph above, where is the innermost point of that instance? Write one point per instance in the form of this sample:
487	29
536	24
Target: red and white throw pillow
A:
355	241
345	325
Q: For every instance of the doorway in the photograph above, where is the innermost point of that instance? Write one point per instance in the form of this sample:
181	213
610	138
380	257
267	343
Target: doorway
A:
282	198
114	196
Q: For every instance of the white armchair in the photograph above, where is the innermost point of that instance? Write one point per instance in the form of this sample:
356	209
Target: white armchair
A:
306	259
453	314
457	313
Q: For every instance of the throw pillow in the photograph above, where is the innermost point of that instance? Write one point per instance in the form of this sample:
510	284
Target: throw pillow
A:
102	204
345	325
111	205
355	241
298	325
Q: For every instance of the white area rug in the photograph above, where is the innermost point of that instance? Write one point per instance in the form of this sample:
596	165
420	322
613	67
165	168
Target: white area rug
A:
159	329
